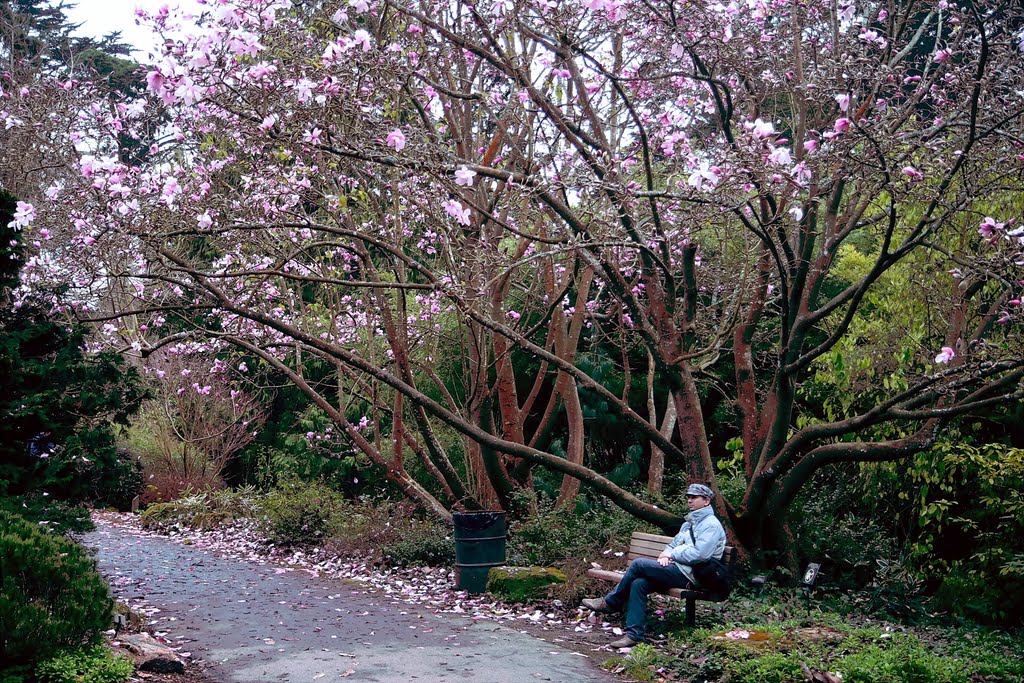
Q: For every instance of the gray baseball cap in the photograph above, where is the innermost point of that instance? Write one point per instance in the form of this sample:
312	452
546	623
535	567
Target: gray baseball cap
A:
700	490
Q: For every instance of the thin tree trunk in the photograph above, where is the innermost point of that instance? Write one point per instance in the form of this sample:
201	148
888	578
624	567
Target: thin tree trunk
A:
656	469
574	449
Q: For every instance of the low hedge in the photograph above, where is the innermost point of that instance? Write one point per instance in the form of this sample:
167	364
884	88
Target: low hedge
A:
51	596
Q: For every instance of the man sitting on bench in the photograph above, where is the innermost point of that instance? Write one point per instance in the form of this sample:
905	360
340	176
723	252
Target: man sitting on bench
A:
671	569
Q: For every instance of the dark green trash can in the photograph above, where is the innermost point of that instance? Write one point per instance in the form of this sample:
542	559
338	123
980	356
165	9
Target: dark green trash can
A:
479	545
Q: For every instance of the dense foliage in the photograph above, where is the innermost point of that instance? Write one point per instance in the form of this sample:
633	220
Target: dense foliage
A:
59	404
95	665
51	597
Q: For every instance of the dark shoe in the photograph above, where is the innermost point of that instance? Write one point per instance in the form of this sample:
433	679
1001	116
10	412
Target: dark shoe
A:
597	604
624	641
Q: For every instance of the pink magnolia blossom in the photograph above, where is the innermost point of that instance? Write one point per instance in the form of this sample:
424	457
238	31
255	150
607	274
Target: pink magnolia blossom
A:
24	214
187	91
170	189
456	211
762	129
703	175
268	122
912	173
204	220
396	140
261	70
362	37
801	173
155	81
873	38
464	176
989	227
842	125
332	53
945	355
781	156
843	99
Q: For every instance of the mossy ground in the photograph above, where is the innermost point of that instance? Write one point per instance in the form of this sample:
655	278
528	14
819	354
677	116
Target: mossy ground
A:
523	584
775	639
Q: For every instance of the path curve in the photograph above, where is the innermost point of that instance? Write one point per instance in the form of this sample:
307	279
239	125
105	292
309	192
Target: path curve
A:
254	622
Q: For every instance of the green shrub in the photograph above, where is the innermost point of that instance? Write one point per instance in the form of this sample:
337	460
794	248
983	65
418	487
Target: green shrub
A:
93	665
769	667
522	584
433	548
52	515
300	513
159	516
708	667
240	502
835	523
555	534
392	532
15	674
192	510
119	482
904	661
205	510
981	594
991	655
51	597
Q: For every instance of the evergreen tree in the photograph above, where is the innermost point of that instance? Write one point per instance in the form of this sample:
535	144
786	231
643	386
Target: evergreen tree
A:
58	404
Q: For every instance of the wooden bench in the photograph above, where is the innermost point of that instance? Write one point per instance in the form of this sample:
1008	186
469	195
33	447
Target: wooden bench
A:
651	545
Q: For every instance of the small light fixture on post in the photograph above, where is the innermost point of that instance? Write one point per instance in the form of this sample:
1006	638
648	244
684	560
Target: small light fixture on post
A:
809	578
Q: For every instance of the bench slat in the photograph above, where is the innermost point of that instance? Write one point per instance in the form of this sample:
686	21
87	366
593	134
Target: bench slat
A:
642	548
639	535
650	556
605	574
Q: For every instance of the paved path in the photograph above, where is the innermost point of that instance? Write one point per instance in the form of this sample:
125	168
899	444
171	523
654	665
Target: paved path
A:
251	623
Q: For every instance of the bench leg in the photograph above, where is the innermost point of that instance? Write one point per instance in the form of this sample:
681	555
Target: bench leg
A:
691	616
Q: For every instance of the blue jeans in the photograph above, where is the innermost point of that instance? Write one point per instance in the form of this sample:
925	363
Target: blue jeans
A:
643	577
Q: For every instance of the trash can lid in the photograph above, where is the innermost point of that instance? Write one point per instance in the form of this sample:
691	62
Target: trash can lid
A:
475	521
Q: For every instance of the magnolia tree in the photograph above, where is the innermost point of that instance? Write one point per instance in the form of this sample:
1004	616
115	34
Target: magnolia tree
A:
448	204
199	417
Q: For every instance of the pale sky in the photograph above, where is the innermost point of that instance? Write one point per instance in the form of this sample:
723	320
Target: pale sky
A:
99	17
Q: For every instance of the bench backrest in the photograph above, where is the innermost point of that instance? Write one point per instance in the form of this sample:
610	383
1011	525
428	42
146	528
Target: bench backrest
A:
651	545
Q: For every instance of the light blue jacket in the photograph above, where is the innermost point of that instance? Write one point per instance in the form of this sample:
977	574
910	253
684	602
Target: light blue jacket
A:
710	537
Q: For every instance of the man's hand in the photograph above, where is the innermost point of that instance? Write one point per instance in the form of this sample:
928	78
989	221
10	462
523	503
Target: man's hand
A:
664	559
